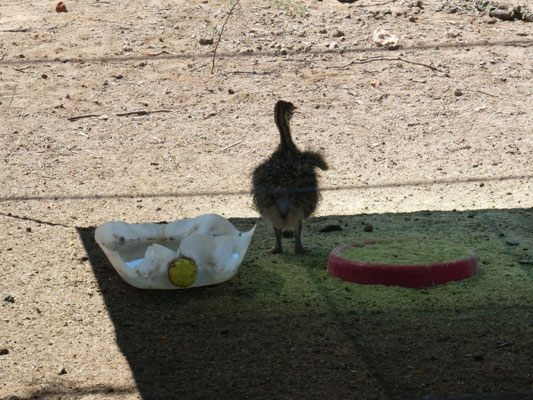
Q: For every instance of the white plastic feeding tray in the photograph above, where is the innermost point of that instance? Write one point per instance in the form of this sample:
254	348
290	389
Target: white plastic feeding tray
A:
182	254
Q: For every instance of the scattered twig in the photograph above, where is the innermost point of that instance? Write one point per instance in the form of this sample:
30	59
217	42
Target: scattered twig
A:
141	112
480	91
77	117
25	29
158	53
23	70
369	60
231	145
418	80
197	68
68	22
248	73
120	114
235	2
378	4
12	96
304	60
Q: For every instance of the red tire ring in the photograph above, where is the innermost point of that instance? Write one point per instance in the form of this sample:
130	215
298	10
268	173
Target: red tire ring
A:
410	276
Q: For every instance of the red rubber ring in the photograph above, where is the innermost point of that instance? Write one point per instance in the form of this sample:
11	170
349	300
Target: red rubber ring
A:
410	276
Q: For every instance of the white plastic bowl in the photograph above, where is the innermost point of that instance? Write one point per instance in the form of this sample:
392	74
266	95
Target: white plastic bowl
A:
186	253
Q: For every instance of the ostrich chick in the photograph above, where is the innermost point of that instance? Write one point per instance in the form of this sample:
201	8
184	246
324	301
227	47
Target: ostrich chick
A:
285	186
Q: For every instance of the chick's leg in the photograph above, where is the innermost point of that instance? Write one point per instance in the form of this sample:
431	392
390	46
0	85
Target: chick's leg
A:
298	248
277	247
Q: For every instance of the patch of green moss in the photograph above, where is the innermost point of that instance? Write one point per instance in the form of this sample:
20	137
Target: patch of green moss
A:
406	252
301	284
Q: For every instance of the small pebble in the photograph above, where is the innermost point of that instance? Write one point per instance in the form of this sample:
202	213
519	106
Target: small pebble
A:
368	227
9	299
505	15
205	42
458	92
3	352
61	7
331	228
527	16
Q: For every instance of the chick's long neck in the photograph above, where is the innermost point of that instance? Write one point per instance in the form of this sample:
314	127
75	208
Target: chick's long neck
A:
282	122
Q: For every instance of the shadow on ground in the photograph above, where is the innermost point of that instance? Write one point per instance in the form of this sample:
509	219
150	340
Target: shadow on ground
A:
283	328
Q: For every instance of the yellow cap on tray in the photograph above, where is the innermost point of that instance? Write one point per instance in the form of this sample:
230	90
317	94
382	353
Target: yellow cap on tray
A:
182	271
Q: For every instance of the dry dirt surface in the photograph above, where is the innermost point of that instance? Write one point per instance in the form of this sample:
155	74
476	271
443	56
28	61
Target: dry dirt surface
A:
111	111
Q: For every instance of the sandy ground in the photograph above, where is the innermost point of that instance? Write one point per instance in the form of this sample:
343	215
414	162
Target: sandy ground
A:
443	123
